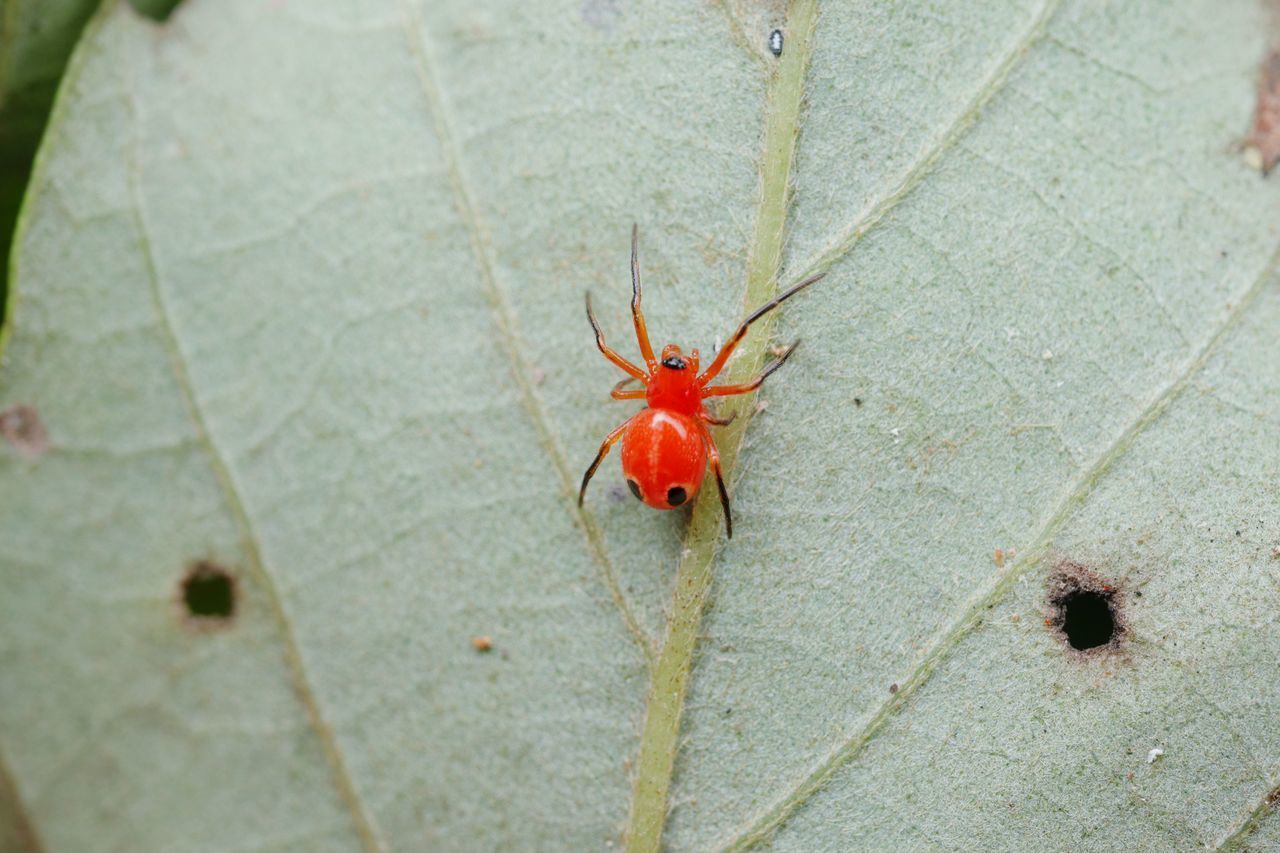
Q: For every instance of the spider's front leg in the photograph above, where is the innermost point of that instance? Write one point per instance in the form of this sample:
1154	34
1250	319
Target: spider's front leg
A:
608	351
722	357
748	387
637	316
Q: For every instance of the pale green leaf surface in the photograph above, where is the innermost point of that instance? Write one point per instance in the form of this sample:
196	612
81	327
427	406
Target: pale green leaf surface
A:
1053	226
300	291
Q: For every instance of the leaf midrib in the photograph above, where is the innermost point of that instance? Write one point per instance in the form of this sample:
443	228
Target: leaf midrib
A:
693	577
669	677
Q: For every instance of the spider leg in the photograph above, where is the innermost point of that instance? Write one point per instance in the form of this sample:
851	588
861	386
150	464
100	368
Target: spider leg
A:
637	316
635	394
748	387
713	456
608	351
722	357
609	441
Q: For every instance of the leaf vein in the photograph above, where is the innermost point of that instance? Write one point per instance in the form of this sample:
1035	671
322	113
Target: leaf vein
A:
419	42
1266	808
250	540
873	213
939	650
739	33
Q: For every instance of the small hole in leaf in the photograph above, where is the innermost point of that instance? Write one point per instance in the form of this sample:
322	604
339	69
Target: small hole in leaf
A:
1085	609
1087	620
208	593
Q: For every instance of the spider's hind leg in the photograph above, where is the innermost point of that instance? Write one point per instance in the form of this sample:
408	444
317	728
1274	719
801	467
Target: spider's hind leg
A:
713	457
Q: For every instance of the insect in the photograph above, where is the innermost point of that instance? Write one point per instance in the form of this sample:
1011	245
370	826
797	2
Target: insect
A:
667	446
775	42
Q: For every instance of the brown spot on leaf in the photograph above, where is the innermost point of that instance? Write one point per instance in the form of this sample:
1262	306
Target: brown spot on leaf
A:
482	643
20	425
1262	147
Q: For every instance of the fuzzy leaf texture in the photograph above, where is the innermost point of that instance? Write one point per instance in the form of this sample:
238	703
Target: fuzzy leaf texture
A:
298	292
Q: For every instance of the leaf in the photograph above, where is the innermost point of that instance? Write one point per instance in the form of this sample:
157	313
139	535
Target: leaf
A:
299	299
35	40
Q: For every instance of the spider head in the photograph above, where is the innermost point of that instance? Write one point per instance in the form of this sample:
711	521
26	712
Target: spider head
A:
674	359
674	384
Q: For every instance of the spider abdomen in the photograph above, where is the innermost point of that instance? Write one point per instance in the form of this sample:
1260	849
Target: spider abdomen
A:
663	458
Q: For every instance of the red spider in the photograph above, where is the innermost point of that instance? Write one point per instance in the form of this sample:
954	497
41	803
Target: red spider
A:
666	446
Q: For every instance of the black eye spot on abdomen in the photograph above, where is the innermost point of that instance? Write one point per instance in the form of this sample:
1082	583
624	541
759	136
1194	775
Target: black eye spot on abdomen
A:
635	488
676	496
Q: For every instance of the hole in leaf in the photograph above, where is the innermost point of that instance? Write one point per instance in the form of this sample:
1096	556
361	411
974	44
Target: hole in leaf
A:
1085	609
208	593
1087	620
